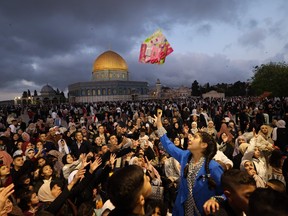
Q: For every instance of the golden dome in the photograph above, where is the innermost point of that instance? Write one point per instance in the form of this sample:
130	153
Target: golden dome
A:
110	60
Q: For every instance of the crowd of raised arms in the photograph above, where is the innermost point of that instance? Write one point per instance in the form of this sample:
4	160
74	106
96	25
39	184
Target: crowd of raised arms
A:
155	157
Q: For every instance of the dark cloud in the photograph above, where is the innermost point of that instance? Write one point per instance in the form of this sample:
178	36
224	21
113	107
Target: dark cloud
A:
186	68
56	42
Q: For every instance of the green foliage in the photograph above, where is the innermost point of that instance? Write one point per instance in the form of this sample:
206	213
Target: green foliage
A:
221	87
205	88
272	77
237	89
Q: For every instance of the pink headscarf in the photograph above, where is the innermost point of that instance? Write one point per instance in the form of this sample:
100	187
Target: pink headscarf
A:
224	129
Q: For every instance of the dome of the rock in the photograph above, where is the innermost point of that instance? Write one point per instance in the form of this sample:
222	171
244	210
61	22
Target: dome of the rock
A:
110	60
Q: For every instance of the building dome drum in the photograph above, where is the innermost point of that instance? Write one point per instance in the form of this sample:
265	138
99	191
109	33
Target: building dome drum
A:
110	66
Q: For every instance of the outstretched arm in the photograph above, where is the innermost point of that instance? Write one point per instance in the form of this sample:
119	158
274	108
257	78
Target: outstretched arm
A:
166	142
60	200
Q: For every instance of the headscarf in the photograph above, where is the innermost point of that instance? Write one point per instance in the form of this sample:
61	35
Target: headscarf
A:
25	136
281	124
6	158
194	130
24	146
44	193
236	148
224	129
65	147
58	164
17	152
27	150
243	147
242	167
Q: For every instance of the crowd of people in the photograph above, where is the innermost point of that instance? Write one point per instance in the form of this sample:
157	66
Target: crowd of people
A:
157	157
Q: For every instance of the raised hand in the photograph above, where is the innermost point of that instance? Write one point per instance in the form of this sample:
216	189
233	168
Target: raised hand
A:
112	159
135	144
90	154
4	194
149	166
254	133
225	139
157	118
84	160
80	174
93	166
82	156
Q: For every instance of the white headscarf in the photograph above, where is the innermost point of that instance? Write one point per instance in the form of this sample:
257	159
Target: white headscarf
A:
281	124
65	147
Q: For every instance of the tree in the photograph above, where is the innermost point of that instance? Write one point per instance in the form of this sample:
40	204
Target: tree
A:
237	89
35	93
221	87
272	77
205	88
195	88
29	93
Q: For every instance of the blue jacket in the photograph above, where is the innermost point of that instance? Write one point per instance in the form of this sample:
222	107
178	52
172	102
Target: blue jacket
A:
201	192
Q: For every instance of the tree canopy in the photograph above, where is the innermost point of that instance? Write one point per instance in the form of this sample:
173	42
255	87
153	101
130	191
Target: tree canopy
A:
195	88
269	79
272	77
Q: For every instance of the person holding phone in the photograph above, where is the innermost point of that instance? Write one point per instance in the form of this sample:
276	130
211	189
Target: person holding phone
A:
200	175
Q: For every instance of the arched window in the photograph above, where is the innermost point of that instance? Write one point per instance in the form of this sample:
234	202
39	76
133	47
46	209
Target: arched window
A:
103	91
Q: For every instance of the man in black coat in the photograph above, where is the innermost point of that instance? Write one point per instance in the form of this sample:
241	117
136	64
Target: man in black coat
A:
80	146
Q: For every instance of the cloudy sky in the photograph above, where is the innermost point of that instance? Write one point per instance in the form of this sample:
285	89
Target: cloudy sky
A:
56	42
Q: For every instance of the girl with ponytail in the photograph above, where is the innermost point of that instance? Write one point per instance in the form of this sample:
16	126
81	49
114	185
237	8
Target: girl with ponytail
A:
200	175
